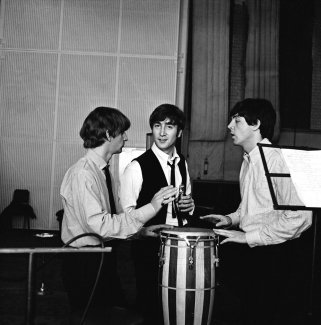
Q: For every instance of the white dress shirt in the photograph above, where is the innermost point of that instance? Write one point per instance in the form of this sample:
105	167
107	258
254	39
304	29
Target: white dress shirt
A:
86	205
132	179
256	216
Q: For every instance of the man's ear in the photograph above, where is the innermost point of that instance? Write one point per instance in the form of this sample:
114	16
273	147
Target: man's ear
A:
179	133
257	125
107	136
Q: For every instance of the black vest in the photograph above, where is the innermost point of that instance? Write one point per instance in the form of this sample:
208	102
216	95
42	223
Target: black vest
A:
153	180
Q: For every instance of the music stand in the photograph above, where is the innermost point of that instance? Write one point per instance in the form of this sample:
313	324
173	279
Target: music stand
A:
316	211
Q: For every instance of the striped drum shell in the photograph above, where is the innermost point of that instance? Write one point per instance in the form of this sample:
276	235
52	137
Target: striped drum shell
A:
187	275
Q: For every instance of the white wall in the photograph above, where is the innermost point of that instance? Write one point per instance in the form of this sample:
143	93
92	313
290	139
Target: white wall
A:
59	59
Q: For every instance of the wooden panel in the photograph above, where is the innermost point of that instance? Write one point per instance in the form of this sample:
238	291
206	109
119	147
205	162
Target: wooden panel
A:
210	69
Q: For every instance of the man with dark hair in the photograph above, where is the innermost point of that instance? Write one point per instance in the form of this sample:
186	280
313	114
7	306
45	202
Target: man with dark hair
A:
269	254
89	207
254	110
100	120
142	178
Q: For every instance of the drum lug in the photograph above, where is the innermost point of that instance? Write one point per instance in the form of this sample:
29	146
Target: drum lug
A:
161	262
161	253
191	258
191	262
216	257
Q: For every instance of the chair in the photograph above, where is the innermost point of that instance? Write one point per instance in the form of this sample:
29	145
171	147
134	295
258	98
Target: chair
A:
60	215
19	207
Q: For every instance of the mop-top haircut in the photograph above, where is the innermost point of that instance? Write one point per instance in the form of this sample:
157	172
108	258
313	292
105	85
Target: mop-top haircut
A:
172	112
254	110
98	122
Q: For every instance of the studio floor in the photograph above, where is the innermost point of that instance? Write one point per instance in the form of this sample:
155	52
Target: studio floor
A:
53	307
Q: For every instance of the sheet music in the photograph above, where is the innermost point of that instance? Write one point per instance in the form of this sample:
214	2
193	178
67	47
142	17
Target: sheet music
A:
305	170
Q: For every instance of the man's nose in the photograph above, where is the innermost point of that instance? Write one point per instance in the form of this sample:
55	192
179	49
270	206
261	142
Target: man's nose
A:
163	130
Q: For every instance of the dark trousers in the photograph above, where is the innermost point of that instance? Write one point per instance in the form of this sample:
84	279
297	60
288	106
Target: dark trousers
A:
146	261
79	273
271	282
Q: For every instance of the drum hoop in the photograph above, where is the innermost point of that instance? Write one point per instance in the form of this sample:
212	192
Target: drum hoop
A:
186	289
203	247
198	238
188	231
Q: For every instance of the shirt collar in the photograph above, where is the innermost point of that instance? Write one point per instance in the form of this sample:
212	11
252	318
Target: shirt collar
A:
164	157
96	159
254	156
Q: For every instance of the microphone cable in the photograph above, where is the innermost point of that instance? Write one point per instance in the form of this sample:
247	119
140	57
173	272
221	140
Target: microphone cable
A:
54	256
83	318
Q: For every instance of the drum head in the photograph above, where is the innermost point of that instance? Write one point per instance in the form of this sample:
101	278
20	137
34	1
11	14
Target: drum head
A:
187	232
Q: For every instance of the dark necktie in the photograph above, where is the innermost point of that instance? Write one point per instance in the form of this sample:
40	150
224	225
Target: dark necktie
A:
175	210
110	190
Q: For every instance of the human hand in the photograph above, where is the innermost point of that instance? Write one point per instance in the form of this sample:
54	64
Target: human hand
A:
186	203
153	231
164	196
232	236
218	219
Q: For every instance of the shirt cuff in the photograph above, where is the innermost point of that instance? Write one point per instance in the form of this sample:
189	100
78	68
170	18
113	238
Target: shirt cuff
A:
234	217
145	213
253	238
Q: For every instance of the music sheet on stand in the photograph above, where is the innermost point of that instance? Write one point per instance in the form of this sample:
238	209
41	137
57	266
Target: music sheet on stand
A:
305	170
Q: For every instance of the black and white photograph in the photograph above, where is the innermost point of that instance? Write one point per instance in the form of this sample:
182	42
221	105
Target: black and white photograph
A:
160	162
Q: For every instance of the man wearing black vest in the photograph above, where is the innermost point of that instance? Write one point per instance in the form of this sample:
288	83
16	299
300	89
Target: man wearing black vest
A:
143	177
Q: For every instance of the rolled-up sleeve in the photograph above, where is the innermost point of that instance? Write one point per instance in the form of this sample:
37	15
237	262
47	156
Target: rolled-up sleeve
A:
87	212
289	225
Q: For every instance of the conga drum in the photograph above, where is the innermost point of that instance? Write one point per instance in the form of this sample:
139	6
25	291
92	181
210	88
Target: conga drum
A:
187	261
